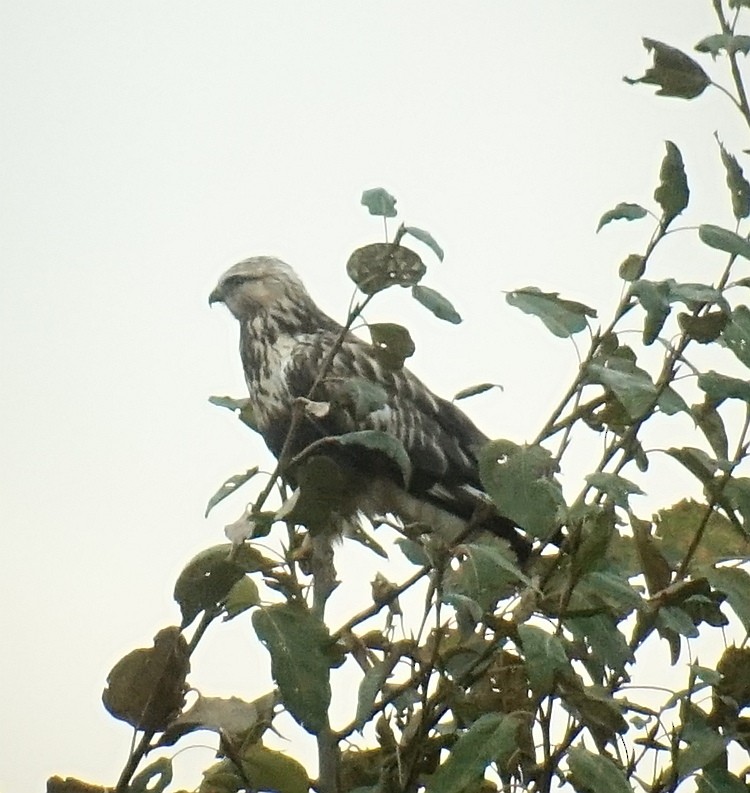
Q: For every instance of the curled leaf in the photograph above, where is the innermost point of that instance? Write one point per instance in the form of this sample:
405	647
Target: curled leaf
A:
622	211
675	73
440	306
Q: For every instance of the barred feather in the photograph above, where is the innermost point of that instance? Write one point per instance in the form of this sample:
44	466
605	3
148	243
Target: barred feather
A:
284	340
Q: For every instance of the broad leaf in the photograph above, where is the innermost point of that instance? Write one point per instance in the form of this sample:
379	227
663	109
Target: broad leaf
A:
735	583
726	42
492	738
381	442
440	306
711	425
299	645
616	487
473	390
230	486
719	386
736	334
392	343
520	480
427	239
623	211
380	265
672	193
207	579
654	298
632	268
563	317
634	389
724	240
739	188
607	644
595	772
675	73
379	202
544	657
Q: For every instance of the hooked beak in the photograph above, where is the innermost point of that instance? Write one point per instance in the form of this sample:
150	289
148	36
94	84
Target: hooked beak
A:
216	296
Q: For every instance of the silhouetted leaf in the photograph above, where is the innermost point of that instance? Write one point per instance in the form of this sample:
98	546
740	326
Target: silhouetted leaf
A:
359	396
719	780
736	334
724	240
724	41
654	298
393	343
739	188
632	268
672	193
239	406
473	390
562	317
735	583
711	424
623	211
380	265
299	645
705	328
379	202
427	239
675	73
230	486
143	781
608	646
440	306
146	688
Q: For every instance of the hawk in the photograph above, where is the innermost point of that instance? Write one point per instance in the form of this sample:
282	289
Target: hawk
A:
285	341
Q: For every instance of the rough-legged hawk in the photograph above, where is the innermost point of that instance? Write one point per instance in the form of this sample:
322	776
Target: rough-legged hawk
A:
285	342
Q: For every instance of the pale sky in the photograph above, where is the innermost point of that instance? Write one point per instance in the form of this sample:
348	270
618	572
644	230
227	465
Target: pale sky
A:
147	146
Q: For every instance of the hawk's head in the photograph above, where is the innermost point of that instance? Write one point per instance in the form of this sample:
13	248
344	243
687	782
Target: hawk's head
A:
259	284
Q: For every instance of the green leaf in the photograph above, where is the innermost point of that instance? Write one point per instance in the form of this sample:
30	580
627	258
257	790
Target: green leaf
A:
230	486
724	41
670	402
299	645
492	738
596	708
440	306
369	688
272	770
608	646
736	334
483	574
654	298
705	328
207	579
143	782
392	344
711	425
719	387
562	317
739	188
724	240
242	596
520	481
380	265
358	396
735	584
379	202
672	193
634	389
427	239
719	780
622	211
473	390
675	73
704	746
632	268
383	442
545	658
676	528
616	487
595	772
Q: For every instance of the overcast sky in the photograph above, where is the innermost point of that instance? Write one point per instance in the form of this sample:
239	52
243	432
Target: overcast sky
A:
147	146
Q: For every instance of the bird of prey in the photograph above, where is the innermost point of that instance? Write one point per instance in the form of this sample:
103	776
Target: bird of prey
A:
286	340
